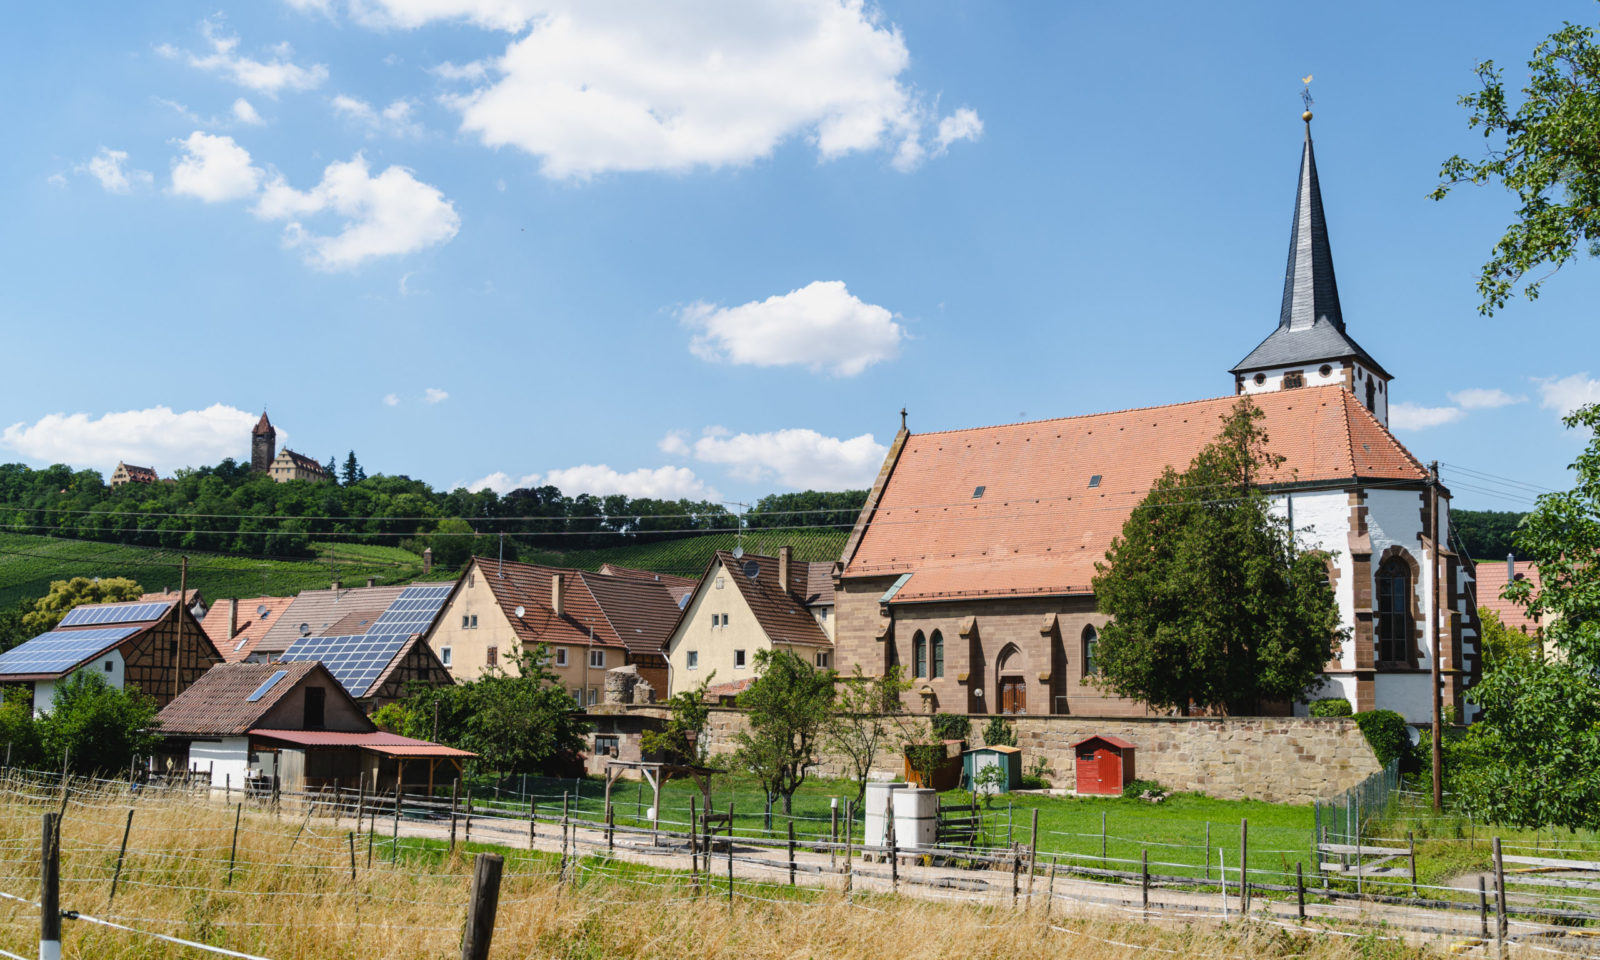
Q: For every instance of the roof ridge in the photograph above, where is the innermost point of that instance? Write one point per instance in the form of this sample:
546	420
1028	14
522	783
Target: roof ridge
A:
1410	457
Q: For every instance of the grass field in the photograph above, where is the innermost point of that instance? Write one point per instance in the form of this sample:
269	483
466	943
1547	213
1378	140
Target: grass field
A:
287	892
688	556
1451	845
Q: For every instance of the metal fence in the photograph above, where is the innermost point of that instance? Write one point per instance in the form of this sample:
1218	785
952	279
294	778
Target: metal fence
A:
1340	820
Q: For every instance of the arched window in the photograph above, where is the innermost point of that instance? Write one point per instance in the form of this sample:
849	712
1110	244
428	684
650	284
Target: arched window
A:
1091	639
936	668
919	655
1394	611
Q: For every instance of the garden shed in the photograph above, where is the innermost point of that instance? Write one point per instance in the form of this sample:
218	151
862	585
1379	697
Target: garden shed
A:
1104	764
1007	759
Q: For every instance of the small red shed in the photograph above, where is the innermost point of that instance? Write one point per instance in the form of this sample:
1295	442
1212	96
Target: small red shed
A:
1104	764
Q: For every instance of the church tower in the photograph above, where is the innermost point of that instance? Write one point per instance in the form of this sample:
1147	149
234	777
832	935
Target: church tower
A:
263	445
1310	347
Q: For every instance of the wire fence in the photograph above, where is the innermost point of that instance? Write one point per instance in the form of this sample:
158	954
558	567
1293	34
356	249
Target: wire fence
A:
1344	818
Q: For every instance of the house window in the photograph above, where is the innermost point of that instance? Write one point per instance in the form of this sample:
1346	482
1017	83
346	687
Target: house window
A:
719	583
1091	639
1394	612
1294	378
464	621
694	659
597	659
474	621
1260	378
738	659
444	656
822	659
919	655
1326	370
491	656
936	668
822	614
606	745
472	580
561	656
594	696
577	695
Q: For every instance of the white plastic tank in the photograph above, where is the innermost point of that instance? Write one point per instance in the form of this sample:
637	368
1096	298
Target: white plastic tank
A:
916	818
879	801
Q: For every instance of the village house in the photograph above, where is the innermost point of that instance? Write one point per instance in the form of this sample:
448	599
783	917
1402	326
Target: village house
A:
591	622
289	465
193	598
127	473
156	647
237	626
320	612
378	657
245	725
744	604
972	561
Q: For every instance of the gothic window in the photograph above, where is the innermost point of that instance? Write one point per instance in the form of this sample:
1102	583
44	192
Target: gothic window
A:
919	655
937	667
1294	378
1394	612
1091	639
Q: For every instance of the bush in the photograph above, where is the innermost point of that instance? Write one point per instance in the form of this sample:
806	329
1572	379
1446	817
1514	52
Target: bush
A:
998	733
1331	707
951	726
97	727
1138	788
1387	734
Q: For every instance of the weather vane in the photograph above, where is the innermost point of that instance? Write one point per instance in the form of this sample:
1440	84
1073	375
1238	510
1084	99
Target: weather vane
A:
1305	96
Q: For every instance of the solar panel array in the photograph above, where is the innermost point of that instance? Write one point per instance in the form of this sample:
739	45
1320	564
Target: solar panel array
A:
61	650
266	685
105	613
356	660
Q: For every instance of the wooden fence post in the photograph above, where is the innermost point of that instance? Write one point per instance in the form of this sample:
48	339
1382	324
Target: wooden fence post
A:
1033	852
1208	850
694	839
482	907
1483	908
352	837
849	848
791	851
1244	865
1501	921
611	830
894	856
730	856
1103	864
234	852
1411	845
1144	879
1016	871
455	788
394	849
833	835
361	801
466	832
50	891
564	795
121	852
1300	887
1050	895
533	821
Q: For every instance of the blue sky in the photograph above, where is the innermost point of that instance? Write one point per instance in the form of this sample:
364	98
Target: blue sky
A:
677	251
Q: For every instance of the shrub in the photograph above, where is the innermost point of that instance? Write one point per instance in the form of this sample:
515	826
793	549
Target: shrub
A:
1037	776
1137	788
1331	707
97	727
951	726
998	733
1387	734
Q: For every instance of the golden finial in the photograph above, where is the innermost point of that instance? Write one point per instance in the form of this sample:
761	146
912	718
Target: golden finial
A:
1305	96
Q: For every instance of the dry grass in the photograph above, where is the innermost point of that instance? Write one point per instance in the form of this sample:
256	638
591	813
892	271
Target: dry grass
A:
291	896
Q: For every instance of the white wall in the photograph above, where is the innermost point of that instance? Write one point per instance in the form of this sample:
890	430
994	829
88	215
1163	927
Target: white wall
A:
109	666
1273	382
1322	522
227	759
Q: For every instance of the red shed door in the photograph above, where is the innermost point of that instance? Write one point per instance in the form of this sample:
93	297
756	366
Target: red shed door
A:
1110	770
1088	770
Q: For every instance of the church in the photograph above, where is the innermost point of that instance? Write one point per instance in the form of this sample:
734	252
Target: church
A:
971	562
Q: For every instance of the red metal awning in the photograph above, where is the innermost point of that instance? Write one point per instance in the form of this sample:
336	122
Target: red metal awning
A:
388	744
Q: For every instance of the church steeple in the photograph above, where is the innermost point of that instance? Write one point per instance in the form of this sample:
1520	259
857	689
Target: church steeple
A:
1310	346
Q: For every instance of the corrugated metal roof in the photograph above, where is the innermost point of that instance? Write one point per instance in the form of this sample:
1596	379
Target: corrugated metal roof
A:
389	744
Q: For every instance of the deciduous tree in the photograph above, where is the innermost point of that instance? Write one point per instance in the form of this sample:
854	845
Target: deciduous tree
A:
868	717
786	710
50	609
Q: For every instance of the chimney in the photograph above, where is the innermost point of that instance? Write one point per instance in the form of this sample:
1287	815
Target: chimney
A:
372	581
556	591
233	618
427	560
336	585
784	556
1511	568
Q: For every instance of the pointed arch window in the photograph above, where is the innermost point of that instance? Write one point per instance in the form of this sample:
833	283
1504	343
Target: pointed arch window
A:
1394	621
1091	639
919	655
936	667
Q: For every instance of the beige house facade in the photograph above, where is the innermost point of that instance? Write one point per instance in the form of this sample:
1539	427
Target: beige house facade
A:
288	465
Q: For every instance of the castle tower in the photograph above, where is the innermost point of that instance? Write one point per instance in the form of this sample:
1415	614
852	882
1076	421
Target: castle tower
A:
1310	347
263	445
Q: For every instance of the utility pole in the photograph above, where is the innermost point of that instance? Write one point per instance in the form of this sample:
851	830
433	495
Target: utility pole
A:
177	648
1437	651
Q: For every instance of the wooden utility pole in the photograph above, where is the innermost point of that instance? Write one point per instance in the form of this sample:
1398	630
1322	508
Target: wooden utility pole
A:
1435	656
177	649
482	907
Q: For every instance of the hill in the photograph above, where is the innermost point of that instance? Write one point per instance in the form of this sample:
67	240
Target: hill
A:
688	556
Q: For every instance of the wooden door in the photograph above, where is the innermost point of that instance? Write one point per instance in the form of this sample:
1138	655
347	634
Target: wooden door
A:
1088	770
1013	695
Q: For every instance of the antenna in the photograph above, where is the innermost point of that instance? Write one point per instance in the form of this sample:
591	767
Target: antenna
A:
305	629
752	569
520	611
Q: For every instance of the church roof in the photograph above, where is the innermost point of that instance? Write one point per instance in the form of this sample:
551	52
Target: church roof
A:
1310	322
1027	509
263	427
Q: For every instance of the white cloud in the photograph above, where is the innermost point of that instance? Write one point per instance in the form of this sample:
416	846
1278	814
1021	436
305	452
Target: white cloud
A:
674	443
107	166
820	326
155	437
1410	416
964	124
435	395
267	77
627	86
1566	394
395	120
56	180
803	459
1484	398
214	169
385	215
246	114
663	483
391	400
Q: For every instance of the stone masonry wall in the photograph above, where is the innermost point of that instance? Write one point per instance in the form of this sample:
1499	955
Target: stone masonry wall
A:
1276	759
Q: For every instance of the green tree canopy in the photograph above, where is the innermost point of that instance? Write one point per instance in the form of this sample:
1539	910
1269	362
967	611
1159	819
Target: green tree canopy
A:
97	727
786	710
868	717
1211	604
50	609
683	739
1546	150
1486	534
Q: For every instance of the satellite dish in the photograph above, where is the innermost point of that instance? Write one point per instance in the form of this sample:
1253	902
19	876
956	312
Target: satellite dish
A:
305	629
520	611
738	552
1414	735
752	569
262	611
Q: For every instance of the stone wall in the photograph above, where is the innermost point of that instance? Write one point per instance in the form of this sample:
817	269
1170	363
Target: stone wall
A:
1276	759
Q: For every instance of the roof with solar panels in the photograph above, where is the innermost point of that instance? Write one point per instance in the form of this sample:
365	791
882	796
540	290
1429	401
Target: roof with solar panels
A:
85	633
361	661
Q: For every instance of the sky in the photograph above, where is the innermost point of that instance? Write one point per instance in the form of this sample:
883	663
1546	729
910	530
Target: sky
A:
710	251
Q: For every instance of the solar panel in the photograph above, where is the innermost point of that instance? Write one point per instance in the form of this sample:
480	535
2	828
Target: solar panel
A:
106	613
61	650
356	660
266	685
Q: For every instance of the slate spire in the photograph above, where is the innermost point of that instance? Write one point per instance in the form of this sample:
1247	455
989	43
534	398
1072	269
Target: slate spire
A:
1309	290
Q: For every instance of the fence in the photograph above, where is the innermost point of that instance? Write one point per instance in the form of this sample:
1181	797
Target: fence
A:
1341	819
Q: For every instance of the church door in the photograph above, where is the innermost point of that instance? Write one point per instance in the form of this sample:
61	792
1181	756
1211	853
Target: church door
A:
1013	695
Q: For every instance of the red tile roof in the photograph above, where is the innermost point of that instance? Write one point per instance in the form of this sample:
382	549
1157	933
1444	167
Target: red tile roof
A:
263	426
1492	581
679	587
634	614
1038	527
218	704
784	616
252	625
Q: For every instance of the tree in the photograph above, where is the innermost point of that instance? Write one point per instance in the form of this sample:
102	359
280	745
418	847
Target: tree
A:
786	710
13	629
97	727
1485	534
1536	746
19	729
352	470
682	740
867	715
332	466
1500	643
50	609
1543	151
1211	604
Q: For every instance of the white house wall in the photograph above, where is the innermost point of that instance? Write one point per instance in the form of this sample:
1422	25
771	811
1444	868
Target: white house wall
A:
1322	522
228	759
109	666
